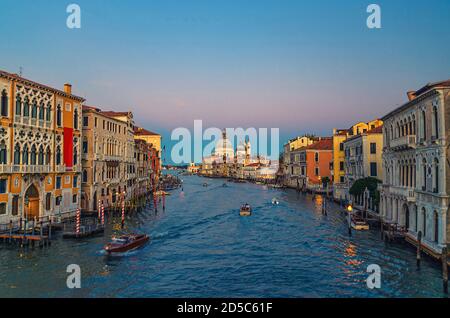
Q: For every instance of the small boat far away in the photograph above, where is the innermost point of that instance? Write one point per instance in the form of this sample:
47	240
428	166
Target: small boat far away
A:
246	210
125	243
275	201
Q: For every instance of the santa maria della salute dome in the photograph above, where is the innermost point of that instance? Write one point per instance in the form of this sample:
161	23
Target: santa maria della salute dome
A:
224	148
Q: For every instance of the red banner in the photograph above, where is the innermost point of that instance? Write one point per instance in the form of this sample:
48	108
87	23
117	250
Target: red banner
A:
68	147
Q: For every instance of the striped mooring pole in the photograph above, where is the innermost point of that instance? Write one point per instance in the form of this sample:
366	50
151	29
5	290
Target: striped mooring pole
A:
103	214
99	209
123	213
78	222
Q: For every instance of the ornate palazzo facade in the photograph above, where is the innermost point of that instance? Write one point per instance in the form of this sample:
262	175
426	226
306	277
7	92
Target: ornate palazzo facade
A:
416	181
39	149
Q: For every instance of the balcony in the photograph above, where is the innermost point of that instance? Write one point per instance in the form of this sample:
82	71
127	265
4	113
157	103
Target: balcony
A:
26	169
405	192
6	168
403	143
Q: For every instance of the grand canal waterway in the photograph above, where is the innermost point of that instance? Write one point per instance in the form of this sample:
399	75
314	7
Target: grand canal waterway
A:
201	247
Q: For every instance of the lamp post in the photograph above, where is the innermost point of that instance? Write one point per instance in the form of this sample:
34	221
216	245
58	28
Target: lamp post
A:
349	219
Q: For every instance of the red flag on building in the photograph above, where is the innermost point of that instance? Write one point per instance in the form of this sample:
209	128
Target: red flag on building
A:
68	147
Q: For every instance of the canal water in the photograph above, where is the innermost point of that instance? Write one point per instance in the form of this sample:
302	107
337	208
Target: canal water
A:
201	247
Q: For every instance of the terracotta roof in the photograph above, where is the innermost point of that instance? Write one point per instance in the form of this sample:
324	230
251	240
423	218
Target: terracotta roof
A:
325	143
86	107
377	130
255	164
32	83
111	113
139	131
432	85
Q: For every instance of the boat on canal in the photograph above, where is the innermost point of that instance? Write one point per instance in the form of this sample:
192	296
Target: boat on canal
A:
246	210
359	224
125	243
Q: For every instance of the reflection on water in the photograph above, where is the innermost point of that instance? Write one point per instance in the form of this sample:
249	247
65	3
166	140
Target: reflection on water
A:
201	247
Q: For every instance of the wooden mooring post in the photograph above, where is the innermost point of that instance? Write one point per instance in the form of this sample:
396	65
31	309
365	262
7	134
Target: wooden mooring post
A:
445	270
419	247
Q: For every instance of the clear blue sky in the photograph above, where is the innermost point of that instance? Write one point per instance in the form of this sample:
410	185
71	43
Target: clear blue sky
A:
303	66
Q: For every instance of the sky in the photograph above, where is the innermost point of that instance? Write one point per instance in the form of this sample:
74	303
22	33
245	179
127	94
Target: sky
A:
301	66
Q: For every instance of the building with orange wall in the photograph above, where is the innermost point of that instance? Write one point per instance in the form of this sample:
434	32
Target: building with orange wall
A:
40	157
314	163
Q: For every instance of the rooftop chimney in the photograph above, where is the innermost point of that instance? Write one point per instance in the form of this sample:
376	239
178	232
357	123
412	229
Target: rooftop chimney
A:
411	95
68	88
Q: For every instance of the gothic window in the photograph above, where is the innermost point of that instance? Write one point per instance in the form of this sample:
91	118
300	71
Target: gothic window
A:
18	105
424	126
436	176
424	175
41	111
85	176
75	156
25	155
15	205
17	154
3	156
34	109
33	155
26	107
436	122
4	104
48	156
58	115
58	155
41	156
49	112
75	119
424	226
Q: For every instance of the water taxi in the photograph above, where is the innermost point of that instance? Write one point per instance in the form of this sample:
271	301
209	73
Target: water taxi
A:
246	210
359	224
126	243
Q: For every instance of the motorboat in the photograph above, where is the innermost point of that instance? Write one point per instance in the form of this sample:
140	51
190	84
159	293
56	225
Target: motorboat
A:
246	210
275	201
359	224
125	243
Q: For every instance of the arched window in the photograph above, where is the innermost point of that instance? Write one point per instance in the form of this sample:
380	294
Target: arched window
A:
413	124
424	125
18	105
316	157
58	155
58	115
34	109
436	122
33	155
41	156
17	154
436	226
424	175
3	154
75	156
41	111
85	176
48	156
4	103
436	176
75	119
26	107
424	225
25	155
48	114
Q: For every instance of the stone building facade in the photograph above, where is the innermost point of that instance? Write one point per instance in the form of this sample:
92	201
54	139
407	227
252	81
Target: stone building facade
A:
414	194
40	158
